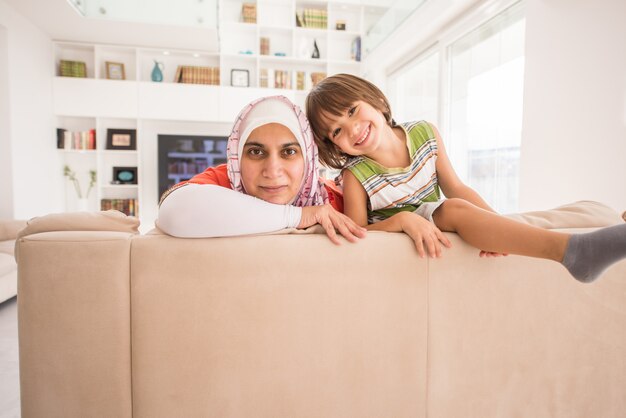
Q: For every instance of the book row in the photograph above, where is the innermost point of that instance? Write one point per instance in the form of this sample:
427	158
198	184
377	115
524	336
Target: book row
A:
197	75
76	140
312	18
282	79
126	206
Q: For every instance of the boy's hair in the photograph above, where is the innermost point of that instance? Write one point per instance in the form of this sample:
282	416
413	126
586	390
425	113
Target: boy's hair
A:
332	97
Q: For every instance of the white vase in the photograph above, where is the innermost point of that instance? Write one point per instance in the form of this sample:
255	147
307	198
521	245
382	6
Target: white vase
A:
83	205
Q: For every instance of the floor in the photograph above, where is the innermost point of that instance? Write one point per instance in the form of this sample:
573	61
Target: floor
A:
9	365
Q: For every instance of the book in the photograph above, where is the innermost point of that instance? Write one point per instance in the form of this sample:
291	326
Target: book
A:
265	45
300	83
355	51
316	77
263	77
248	12
129	207
197	75
76	140
72	69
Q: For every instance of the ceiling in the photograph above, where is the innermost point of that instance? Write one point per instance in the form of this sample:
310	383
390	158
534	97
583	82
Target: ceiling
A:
60	21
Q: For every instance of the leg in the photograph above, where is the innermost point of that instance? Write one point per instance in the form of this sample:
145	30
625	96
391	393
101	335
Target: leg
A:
492	232
585	256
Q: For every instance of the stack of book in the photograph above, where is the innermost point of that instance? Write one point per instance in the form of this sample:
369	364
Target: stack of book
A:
317	77
315	18
72	69
248	12
127	206
265	46
355	51
278	79
197	75
83	140
300	80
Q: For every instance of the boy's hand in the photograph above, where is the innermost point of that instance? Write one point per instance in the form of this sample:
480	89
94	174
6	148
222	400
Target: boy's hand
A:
425	234
331	221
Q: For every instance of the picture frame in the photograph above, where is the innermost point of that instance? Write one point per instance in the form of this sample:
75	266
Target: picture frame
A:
115	70
121	139
124	175
239	78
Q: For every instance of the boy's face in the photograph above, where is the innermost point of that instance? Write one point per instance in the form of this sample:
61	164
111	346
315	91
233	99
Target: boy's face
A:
359	130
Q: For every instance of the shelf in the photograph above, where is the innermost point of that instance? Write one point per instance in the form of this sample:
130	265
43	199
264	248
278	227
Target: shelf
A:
118	152
77	151
120	186
310	31
291	60
191	154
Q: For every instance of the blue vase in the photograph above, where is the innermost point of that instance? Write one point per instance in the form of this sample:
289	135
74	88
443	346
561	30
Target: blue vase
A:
157	73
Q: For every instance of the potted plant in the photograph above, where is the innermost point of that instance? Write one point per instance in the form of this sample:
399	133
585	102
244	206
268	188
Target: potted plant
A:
71	175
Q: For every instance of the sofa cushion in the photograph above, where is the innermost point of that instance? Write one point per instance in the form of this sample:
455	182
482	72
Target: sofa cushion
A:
6	247
582	214
10	228
7	264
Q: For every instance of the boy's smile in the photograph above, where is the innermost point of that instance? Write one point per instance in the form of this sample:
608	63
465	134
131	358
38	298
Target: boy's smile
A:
357	132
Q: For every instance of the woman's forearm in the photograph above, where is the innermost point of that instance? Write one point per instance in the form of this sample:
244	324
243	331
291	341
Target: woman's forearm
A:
204	210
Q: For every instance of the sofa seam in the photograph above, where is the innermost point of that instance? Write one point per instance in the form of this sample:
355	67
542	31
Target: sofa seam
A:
427	379
130	325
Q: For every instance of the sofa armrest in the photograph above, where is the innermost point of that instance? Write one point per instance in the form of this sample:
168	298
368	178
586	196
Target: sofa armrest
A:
74	323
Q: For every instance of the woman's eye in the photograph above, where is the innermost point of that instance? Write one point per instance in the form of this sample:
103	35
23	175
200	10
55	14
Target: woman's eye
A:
290	152
255	152
351	111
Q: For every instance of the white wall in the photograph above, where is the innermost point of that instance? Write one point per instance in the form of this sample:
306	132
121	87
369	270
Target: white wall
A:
6	172
574	128
31	134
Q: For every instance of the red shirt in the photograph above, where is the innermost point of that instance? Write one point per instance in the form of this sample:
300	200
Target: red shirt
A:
219	176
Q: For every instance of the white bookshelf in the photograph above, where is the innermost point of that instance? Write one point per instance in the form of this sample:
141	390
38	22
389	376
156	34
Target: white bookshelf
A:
276	21
168	107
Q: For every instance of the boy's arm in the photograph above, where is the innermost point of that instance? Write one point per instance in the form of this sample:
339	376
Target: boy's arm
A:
425	234
354	199
450	183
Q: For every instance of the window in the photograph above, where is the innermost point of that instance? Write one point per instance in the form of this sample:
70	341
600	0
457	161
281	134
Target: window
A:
416	90
486	69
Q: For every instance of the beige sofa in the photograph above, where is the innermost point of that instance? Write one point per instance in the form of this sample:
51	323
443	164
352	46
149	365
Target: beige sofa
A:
8	267
116	324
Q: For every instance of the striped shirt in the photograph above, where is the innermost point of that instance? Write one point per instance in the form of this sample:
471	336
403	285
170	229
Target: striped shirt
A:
392	190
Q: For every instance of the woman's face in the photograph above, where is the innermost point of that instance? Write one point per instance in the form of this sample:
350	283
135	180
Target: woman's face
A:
272	164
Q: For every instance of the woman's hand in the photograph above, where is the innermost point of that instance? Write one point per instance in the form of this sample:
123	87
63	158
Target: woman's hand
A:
424	233
332	221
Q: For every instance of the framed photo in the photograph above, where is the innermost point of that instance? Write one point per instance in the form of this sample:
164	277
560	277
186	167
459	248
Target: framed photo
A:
121	139
124	175
115	70
239	78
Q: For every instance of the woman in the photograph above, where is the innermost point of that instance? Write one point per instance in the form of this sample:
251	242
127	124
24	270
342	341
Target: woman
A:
269	183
